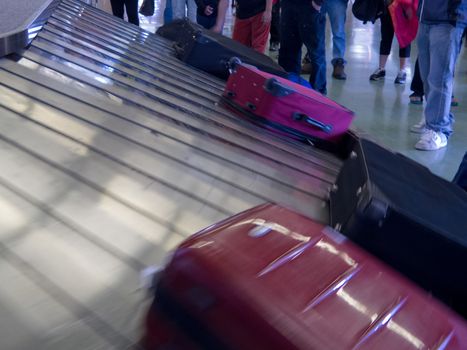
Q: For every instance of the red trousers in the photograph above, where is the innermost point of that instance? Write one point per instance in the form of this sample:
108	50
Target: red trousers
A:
252	32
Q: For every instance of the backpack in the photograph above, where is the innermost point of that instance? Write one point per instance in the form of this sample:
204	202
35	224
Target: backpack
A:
368	10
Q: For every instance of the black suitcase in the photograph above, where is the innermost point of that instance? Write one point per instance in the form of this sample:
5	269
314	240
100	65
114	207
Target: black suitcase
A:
412	219
212	52
460	178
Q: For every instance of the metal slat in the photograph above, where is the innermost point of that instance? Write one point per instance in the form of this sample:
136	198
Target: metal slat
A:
112	152
258	135
156	73
119	26
182	153
152	58
126	75
165	133
165	166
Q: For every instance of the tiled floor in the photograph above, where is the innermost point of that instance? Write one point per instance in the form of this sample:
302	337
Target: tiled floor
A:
382	108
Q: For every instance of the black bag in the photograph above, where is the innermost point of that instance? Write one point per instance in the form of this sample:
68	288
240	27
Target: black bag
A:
368	10
460	178
212	52
147	8
412	219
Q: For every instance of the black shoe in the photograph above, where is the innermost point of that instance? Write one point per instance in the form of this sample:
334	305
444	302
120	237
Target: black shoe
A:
378	74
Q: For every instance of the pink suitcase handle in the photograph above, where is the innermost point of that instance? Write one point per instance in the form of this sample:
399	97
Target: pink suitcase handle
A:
327	128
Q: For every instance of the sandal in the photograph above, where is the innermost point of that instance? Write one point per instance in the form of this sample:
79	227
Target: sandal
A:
416	98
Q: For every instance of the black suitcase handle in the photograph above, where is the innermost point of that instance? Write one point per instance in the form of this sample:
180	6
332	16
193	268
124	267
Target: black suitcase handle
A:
178	49
327	128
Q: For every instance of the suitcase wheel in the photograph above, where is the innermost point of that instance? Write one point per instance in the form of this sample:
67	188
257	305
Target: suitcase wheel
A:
251	106
230	94
275	88
327	128
233	63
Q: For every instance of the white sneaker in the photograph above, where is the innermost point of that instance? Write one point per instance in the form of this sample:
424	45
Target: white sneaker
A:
420	127
431	141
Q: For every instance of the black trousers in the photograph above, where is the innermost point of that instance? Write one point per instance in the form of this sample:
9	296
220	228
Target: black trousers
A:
387	35
417	83
131	7
302	25
275	23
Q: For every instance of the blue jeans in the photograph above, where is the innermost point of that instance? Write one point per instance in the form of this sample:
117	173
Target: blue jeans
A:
337	12
303	25
438	48
179	7
168	16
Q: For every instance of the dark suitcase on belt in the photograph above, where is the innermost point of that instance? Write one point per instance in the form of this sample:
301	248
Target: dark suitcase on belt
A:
460	178
211	52
407	216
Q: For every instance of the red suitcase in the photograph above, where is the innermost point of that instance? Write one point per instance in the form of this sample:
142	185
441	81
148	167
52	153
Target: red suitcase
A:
286	106
272	279
162	333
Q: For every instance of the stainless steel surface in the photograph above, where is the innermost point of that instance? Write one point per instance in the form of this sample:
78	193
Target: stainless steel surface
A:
20	21
112	152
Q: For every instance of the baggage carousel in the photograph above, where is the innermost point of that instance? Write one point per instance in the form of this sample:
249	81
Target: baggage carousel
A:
112	151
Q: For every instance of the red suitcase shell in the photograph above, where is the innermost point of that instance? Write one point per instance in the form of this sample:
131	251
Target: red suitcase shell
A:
272	279
162	333
286	106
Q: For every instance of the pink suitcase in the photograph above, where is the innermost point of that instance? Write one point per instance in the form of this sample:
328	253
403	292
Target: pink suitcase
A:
272	279
286	106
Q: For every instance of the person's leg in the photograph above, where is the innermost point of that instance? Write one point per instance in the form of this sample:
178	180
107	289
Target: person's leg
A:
259	33
444	41
290	50
441	45
312	25
168	14
117	8
131	7
191	10
417	84
404	54
275	27
387	35
206	22
337	12
242	31
178	9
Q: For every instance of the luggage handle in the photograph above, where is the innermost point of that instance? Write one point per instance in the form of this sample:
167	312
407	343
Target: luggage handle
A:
275	88
327	128
178	49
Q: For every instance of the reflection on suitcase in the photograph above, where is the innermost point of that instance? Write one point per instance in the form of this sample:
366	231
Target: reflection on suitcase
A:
407	216
272	279
285	106
211	52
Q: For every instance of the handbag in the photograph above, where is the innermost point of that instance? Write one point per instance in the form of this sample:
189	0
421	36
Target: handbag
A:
147	8
405	26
